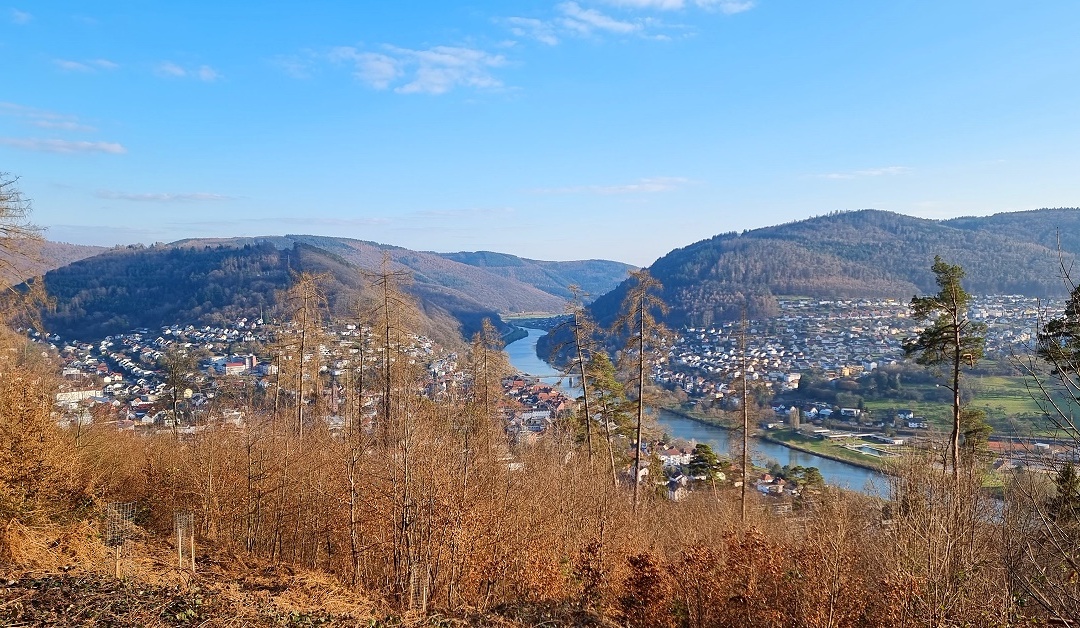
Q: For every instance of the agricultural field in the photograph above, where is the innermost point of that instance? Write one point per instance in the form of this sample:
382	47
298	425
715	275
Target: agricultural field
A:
1012	406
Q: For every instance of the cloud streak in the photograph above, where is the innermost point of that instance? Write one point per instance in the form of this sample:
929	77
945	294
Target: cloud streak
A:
203	73
64	147
571	18
532	28
729	7
587	21
648	185
660	5
62	125
20	17
861	174
459	214
93	65
186	197
44	119
435	70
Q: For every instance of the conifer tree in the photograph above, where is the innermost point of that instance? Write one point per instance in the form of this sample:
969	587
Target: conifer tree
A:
576	352
609	399
950	339
644	337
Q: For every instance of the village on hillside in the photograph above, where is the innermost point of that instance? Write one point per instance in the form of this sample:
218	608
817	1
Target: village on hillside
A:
120	379
843	338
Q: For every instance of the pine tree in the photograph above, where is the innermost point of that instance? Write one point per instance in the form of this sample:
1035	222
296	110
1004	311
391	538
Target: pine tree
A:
950	340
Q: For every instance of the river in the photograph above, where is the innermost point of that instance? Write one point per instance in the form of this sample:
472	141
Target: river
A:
522	355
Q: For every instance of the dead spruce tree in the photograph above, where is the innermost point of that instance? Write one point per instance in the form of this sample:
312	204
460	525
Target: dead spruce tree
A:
575	352
644	338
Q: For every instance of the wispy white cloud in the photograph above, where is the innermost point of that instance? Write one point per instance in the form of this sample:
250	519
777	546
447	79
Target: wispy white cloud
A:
586	21
93	65
203	73
44	119
727	7
168	68
871	172
376	69
20	17
366	221
662	5
571	18
648	185
268	223
62	146
167	197
459	214
63	125
435	70
207	73
532	28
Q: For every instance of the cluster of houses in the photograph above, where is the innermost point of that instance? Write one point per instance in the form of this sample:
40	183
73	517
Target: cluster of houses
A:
533	406
843	338
123	374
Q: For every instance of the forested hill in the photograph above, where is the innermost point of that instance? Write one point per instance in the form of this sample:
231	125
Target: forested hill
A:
209	280
135	286
594	277
865	253
39	258
499	281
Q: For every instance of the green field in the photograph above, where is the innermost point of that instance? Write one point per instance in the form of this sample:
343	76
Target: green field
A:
824	448
1010	404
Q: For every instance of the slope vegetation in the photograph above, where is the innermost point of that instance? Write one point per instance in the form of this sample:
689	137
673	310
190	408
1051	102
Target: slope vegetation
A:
212	280
594	277
866	253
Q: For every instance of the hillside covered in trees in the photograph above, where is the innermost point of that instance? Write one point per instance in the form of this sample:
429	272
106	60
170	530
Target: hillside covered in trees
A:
207	281
131	287
497	280
866	253
594	277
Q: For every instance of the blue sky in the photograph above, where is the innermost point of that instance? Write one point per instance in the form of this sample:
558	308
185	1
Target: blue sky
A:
573	129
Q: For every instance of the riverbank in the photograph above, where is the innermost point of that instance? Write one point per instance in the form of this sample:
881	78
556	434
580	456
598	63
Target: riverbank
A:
825	450
700	418
796	442
515	333
686	424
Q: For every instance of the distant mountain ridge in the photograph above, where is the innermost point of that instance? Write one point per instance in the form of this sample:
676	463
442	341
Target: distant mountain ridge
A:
40	257
204	280
592	276
863	253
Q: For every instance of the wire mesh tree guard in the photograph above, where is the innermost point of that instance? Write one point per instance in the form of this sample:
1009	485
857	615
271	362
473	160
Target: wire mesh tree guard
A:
119	522
184	526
